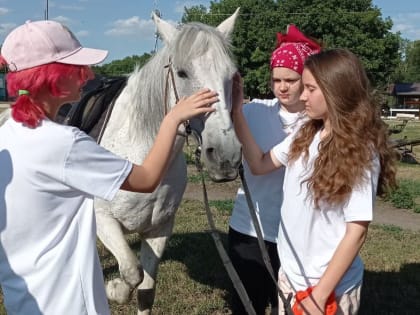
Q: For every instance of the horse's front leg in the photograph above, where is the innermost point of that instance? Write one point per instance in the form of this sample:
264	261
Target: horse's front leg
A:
151	253
111	235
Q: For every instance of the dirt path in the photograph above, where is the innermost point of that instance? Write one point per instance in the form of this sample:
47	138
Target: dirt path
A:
384	212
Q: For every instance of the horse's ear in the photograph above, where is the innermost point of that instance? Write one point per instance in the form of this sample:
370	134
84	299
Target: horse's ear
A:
165	29
226	27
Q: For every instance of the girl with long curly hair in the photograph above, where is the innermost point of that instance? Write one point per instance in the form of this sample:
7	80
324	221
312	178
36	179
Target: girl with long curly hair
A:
336	164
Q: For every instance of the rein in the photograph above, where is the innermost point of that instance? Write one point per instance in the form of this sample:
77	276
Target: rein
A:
237	283
261	244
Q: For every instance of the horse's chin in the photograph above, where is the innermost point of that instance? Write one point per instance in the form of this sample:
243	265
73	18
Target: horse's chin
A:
223	177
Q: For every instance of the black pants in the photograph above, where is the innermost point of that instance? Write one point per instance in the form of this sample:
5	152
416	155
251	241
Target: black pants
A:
247	259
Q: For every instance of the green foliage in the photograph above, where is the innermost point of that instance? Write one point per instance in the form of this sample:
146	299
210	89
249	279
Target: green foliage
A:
413	62
404	196
122	67
253	38
354	24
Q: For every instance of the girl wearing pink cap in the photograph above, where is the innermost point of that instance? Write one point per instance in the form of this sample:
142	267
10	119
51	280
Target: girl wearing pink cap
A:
334	166
270	121
50	173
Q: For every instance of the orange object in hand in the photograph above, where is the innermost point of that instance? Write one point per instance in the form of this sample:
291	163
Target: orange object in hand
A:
330	306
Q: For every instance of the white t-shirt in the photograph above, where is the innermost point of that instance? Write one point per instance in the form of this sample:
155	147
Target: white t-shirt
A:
309	237
269	124
48	258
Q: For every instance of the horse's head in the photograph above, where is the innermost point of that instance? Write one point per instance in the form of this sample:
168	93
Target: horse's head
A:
200	57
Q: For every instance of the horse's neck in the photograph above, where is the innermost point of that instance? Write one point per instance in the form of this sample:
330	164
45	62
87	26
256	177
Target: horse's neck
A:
139	110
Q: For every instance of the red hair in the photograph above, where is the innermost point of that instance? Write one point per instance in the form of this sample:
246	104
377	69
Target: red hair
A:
26	109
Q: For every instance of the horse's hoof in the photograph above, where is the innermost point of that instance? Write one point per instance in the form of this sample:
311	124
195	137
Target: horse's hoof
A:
118	291
132	276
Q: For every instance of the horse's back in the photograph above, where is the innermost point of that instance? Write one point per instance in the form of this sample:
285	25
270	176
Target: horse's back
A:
90	113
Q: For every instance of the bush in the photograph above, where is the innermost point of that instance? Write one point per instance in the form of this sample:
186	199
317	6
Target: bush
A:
405	195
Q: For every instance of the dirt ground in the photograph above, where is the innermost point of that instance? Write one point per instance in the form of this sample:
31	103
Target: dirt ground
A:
384	212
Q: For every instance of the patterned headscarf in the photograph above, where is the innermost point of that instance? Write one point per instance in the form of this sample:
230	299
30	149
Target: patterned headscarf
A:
292	50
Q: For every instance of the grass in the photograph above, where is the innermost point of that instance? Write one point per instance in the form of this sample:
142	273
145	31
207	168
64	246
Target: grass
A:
193	281
191	275
410	132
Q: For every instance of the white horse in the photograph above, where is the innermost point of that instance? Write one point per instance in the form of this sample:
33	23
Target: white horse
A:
199	56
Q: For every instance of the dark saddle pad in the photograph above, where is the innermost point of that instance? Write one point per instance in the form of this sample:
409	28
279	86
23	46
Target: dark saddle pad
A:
90	113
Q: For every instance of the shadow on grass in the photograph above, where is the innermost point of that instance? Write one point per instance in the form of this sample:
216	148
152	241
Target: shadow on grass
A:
198	253
384	293
390	293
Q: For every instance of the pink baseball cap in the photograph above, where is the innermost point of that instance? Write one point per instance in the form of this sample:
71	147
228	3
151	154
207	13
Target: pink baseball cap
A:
42	42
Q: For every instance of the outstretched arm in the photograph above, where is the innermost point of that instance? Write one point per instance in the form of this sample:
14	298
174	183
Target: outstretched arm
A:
259	162
346	252
147	176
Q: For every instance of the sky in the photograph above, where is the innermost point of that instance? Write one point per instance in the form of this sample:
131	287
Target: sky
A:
125	27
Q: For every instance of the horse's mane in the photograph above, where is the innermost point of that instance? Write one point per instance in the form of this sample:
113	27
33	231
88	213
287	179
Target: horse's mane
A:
193	40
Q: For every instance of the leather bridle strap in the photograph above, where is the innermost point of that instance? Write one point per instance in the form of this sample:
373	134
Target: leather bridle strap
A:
170	76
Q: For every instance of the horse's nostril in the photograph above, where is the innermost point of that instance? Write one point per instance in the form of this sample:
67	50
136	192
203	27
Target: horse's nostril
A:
210	152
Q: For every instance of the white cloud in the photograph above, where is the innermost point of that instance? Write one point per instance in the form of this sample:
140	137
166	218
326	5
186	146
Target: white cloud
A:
82	34
62	19
180	5
5	28
4	11
72	7
132	26
408	24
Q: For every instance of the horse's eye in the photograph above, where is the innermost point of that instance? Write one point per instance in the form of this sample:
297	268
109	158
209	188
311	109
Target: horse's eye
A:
182	74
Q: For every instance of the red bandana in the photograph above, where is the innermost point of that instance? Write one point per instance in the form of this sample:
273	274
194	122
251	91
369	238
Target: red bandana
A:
292	50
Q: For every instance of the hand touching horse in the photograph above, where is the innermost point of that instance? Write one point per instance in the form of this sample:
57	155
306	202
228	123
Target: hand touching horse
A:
196	56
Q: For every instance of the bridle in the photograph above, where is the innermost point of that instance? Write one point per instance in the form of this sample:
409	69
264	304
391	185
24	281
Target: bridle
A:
237	283
171	76
213	230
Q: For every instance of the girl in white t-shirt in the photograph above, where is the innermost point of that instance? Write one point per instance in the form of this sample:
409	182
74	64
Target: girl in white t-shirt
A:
335	165
50	174
270	121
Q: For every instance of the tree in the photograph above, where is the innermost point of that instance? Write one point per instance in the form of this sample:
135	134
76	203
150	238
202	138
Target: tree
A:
122	67
353	24
413	62
253	38
400	72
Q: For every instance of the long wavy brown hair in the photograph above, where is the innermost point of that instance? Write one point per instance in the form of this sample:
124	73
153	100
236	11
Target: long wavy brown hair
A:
357	132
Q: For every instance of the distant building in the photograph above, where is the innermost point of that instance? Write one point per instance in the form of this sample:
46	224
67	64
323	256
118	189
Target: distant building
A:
406	99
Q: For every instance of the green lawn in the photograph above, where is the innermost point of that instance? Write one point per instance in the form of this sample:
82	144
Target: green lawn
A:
192	279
